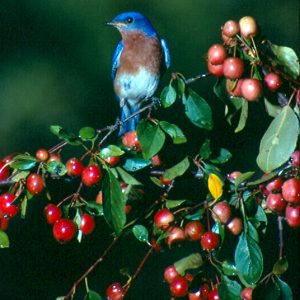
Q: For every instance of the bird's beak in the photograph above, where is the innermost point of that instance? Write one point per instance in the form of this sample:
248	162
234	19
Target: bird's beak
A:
118	25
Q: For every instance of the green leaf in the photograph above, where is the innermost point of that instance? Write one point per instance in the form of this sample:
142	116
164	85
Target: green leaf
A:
168	96
193	261
205	150
243	117
198	111
268	291
136	164
280	266
229	289
111	150
177	170
220	89
252	232
55	129
271	109
91	295
285	290
174	132
113	203
20	175
127	178
4	241
151	138
174	203
64	135
279	141
23	207
196	215
248	259
94	208
288	59
141	233
263	179
180	85
229	268
57	168
87	133
219	229
156	181
23	164
243	177
223	157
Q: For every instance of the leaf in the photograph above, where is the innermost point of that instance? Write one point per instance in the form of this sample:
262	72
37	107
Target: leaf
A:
193	261
280	266
243	177
4	241
156	181
268	291
229	268
285	290
174	132
151	138
91	295
198	111
94	208
136	164
168	96
180	86
196	215
141	233
20	175
248	259
174	203
229	289
87	133
224	157
279	141
243	117
288	59
23	164
111	150
271	109
177	170
127	178
219	229
252	232
205	150
55	129
113	203
263	179
57	168
64	135
23	207
215	185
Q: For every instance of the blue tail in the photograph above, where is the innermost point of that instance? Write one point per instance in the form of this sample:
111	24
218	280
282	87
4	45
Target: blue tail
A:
131	124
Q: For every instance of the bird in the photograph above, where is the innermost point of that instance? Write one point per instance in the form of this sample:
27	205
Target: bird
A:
139	60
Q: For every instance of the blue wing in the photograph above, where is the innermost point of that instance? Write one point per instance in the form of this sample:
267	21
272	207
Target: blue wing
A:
166	53
116	59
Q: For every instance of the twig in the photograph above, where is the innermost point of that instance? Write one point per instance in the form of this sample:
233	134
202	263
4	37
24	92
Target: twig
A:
280	234
197	77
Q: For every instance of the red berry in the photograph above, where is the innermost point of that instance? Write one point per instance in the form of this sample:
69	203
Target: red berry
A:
292	215
64	230
156	246
52	213
233	68
291	190
115	291
210	241
176	235
246	293
130	140
91	175
54	157
4	171
164	182
234	175
273	81
35	184
205	289
251	89
216	70
6	207
42	154
231	28
112	160
234	88
163	218
231	42
4	222
276	203
213	295
99	198
295	158
235	226
74	167
194	230
274	185
156	161
216	54
87	224
248	27
179	287
221	212
170	274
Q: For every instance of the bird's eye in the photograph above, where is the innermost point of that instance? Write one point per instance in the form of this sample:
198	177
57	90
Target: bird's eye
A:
129	20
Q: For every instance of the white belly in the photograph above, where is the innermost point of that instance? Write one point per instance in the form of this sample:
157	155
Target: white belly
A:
139	86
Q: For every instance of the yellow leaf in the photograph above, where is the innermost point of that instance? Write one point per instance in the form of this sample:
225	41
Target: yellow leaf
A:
215	186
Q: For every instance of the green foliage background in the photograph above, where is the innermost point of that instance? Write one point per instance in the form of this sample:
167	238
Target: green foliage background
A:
55	62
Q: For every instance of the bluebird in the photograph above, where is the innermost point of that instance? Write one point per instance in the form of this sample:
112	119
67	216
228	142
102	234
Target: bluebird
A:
138	62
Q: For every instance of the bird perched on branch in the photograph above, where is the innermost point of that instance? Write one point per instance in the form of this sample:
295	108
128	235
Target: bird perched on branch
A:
138	62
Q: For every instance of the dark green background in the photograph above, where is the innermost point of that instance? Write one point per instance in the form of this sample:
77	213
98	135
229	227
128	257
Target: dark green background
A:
55	64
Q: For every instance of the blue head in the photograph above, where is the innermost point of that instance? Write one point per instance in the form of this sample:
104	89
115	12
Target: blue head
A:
133	21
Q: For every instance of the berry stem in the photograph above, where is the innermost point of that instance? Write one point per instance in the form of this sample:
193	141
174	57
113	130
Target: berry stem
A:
197	77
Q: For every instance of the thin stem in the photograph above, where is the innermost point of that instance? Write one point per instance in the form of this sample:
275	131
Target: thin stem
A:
90	269
280	234
197	77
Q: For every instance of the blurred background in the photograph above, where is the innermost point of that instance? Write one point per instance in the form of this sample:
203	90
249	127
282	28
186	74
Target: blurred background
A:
55	64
